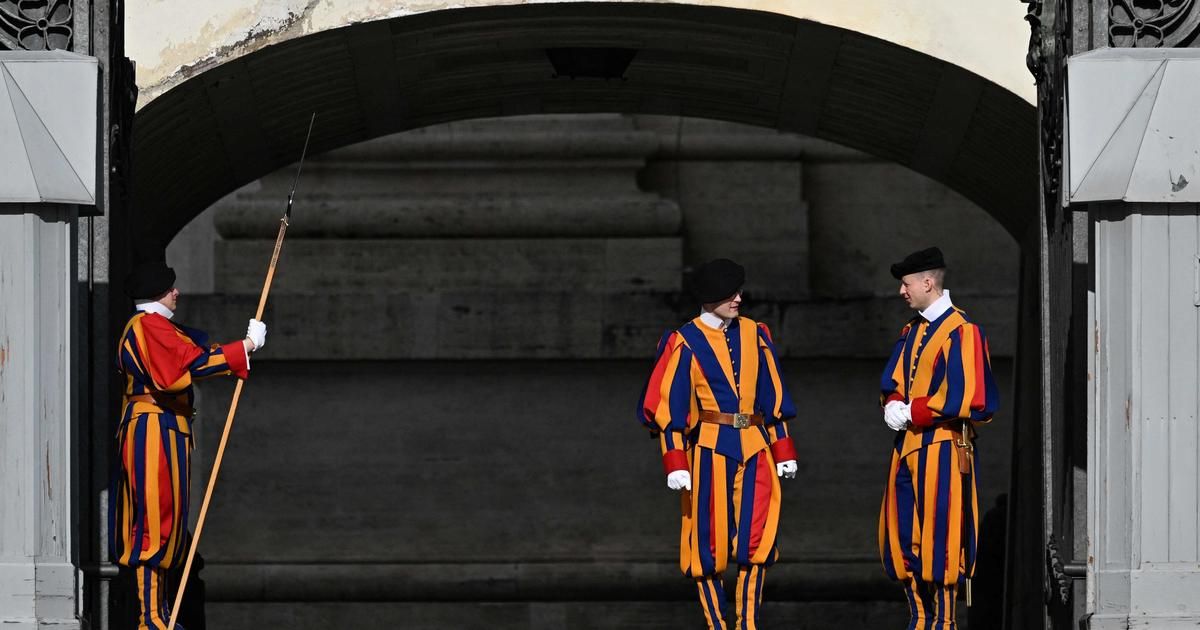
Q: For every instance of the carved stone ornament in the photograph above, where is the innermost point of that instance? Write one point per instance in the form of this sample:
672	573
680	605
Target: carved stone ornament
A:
1033	58
1046	60
1152	23
35	25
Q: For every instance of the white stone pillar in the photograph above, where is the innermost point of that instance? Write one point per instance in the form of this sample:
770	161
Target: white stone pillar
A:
1143	486
38	581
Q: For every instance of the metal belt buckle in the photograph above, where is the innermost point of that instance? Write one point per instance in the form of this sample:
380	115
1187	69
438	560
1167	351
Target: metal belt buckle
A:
741	420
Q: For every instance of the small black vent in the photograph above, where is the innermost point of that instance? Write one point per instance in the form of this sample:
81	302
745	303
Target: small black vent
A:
590	63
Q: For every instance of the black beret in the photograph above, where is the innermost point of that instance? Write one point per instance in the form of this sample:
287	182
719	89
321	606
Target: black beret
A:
149	280
716	280
923	260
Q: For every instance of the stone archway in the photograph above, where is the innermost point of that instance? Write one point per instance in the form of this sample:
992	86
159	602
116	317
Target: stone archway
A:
246	117
236	121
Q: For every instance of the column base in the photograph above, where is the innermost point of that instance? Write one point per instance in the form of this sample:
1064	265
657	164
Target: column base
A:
1157	622
37	595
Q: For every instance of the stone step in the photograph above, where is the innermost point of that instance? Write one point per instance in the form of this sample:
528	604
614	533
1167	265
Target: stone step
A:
513	142
552	323
852	327
455	266
465	324
517	155
710	139
522	579
613	615
495	175
457	215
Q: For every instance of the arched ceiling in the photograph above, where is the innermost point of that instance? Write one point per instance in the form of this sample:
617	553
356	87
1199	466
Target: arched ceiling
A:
173	40
245	117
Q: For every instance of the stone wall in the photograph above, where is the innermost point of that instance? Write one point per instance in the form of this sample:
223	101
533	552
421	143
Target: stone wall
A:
583	227
521	481
462	321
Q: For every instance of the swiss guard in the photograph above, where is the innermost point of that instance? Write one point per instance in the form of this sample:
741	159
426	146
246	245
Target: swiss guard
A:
717	401
936	387
159	360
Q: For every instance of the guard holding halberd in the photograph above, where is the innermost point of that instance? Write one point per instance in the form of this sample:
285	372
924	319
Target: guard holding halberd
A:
936	387
159	360
717	400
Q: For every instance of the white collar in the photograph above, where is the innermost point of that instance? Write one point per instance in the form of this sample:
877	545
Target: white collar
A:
150	306
714	321
938	308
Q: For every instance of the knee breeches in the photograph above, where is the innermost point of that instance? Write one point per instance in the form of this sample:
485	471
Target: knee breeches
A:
929	521
149	503
732	512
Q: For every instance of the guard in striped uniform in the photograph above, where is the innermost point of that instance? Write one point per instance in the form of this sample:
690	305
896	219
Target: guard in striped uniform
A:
937	386
160	360
717	401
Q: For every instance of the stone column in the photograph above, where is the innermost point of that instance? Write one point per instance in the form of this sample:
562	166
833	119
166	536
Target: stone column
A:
1143	435
38	582
1132	135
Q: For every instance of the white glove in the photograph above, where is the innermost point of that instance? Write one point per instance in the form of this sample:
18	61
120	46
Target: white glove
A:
679	480
897	415
256	332
787	469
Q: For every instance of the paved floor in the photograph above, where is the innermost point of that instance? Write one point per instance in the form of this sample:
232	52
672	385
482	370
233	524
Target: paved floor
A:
545	616
795	604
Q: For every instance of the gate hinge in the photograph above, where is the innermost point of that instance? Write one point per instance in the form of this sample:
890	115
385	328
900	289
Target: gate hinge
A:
1059	574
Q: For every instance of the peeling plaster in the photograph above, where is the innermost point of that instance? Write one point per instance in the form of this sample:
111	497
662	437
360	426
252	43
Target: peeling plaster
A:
1179	185
242	32
173	40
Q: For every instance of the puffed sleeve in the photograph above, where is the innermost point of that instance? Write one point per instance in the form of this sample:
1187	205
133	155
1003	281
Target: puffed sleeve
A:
968	389
773	399
667	400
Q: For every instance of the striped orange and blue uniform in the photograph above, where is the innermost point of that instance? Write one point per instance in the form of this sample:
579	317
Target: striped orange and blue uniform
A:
929	520
149	500
732	511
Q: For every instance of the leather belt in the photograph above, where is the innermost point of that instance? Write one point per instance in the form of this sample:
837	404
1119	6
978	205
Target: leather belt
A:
735	420
162	402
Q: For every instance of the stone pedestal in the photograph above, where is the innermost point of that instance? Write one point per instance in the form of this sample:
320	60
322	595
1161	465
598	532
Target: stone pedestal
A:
743	197
543	177
583	227
37	404
474	234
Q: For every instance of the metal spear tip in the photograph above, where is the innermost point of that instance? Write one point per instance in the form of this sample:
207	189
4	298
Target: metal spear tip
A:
287	213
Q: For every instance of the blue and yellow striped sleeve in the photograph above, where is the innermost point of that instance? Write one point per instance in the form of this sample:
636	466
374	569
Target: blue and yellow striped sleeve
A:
221	360
968	388
891	383
773	399
667	402
215	359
